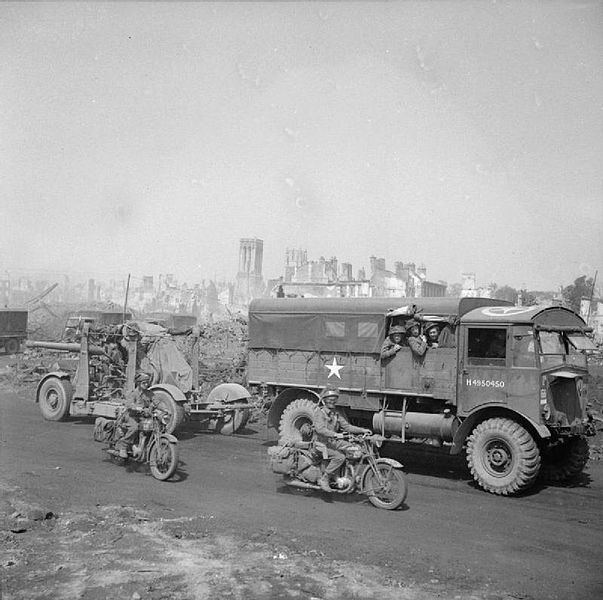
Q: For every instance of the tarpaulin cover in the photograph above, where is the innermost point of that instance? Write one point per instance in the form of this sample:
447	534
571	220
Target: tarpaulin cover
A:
167	359
324	333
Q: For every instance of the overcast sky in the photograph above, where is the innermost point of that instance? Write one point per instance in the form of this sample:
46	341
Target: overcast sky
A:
148	138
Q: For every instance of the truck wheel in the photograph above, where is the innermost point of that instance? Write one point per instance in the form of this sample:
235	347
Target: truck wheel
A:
233	421
54	398
12	346
174	411
563	459
502	456
297	421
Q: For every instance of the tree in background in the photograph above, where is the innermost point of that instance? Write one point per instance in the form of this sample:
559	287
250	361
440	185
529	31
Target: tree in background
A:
572	294
505	292
454	290
527	298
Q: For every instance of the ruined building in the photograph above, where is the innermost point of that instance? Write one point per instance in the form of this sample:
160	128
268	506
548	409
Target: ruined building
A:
328	278
249	283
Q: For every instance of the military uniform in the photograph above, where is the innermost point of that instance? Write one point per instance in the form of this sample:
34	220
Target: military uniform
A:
389	347
326	427
135	403
416	343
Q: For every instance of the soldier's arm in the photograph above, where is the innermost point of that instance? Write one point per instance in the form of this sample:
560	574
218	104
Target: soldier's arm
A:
388	349
418	346
346	426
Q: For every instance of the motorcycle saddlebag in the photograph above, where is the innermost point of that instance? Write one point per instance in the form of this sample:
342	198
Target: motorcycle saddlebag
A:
282	459
103	429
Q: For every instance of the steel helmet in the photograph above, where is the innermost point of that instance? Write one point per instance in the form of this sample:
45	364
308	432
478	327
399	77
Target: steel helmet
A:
396	329
329	393
429	326
142	376
410	324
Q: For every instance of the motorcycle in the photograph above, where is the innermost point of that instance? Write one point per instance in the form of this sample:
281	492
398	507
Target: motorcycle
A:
153	446
302	464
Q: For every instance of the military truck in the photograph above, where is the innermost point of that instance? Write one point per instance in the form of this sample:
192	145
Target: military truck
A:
510	389
13	329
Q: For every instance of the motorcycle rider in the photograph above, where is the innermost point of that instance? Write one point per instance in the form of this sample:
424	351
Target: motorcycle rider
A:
139	400
327	427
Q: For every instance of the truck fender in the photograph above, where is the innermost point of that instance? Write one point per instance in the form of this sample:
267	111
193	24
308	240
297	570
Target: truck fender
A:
56	374
537	430
227	392
175	392
390	461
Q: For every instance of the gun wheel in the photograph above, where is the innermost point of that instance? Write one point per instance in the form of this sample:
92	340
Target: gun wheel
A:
54	398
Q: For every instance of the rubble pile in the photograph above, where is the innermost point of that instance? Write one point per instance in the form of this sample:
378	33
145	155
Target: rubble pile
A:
222	353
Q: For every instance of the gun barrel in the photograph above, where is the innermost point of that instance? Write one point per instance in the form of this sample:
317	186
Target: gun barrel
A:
64	346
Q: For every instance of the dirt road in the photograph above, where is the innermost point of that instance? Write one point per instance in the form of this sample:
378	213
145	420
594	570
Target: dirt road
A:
75	525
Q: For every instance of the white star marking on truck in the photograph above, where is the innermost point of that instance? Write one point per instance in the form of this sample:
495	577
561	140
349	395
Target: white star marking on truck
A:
334	368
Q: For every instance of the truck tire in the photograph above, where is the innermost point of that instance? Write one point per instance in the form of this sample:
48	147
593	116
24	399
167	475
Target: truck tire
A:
54	398
174	410
297	421
502	456
564	459
233	421
12	346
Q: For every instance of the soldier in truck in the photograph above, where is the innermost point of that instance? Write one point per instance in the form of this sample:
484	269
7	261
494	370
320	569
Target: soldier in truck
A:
413	336
393	342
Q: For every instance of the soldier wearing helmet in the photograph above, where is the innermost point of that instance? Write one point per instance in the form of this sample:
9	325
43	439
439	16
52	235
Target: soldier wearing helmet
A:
432	334
413	336
393	342
137	402
328	426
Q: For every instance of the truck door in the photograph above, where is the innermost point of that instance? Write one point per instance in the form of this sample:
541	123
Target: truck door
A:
483	368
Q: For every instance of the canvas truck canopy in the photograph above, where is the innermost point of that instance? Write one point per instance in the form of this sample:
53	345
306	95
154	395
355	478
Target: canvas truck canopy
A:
338	324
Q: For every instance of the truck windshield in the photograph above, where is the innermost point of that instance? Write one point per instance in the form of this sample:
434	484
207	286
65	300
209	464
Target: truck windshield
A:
556	350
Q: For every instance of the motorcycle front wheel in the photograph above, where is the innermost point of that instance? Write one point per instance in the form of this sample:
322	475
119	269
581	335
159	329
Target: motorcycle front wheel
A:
385	486
163	459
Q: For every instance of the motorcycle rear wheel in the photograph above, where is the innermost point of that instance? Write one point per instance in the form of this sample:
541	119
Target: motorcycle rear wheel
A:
163	459
386	487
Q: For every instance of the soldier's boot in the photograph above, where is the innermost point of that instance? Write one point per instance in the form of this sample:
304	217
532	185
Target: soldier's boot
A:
323	482
123	450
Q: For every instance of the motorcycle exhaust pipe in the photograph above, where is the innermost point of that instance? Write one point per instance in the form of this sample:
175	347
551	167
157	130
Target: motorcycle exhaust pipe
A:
302	484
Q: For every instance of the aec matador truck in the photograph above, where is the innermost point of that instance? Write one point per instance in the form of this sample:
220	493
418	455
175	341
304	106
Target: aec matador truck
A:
510	389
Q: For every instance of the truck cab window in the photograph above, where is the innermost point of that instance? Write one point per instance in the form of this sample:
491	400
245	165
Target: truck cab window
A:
486	346
523	348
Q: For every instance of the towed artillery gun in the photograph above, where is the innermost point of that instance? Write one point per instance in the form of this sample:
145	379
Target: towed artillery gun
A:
105	367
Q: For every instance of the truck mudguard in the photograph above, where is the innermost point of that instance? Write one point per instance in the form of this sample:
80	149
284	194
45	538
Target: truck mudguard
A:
493	410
